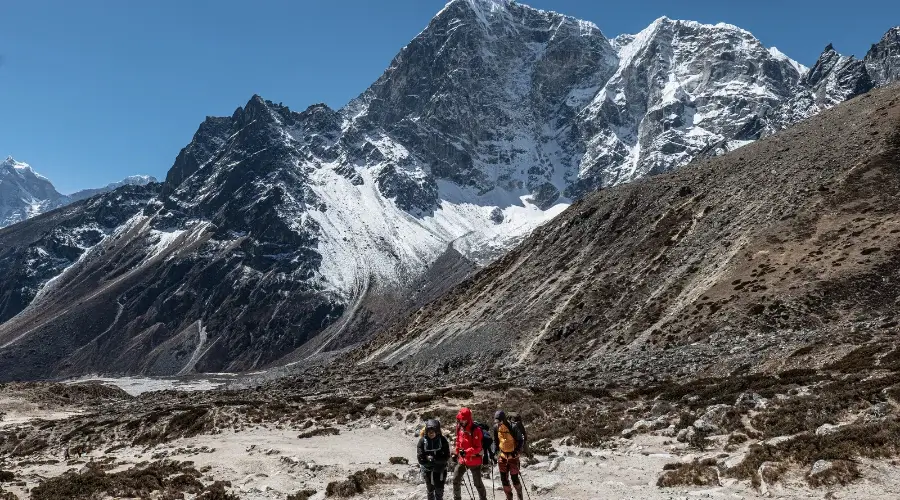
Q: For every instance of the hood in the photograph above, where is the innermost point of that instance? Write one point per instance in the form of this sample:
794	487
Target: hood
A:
433	424
464	415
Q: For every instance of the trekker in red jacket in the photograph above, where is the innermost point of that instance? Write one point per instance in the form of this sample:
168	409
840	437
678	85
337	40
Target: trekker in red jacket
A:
468	454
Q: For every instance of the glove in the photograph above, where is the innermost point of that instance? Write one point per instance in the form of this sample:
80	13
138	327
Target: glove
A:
430	459
462	453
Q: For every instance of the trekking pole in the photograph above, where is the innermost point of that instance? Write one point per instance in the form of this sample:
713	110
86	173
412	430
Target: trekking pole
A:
493	485
524	486
466	482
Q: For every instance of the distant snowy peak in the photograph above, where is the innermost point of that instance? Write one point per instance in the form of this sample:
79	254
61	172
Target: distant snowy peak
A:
25	193
133	180
11	166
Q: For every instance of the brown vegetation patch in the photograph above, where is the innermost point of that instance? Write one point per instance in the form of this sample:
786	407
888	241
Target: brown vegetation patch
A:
167	477
827	403
880	440
694	473
302	495
838	472
324	431
356	483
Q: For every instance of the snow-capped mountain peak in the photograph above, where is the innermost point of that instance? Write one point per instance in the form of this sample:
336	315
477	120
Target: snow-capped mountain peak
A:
25	193
10	165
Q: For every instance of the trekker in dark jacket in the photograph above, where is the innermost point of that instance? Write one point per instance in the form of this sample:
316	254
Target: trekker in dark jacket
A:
508	441
433	454
468	454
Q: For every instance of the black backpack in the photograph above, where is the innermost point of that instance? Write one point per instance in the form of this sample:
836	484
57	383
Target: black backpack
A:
516	421
487	440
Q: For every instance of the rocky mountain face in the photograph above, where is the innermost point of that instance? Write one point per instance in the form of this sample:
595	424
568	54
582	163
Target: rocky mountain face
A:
883	59
775	256
25	193
280	236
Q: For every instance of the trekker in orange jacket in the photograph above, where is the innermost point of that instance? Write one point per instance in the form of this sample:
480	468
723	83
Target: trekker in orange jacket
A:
508	440
468	454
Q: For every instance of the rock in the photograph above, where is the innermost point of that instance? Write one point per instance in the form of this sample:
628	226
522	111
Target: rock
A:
293	461
645	426
826	429
686	435
413	475
766	470
545	484
714	419
820	467
877	413
734	460
750	401
555	464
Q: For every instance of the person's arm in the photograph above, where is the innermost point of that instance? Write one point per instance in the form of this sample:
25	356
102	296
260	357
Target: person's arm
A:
420	451
496	444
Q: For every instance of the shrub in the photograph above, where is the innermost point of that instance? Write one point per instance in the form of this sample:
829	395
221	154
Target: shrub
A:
690	474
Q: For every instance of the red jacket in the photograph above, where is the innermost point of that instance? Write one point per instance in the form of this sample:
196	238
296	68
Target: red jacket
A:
468	439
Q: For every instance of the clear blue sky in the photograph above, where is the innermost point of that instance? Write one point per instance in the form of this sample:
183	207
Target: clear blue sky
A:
94	90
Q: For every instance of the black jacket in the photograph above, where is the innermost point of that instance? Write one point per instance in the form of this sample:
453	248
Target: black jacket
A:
438	449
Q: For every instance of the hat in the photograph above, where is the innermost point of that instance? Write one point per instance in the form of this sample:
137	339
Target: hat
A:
500	415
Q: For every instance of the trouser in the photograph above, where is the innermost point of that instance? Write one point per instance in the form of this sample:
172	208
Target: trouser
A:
458	476
434	482
509	466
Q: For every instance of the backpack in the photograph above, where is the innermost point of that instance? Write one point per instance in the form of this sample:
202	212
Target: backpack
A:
487	440
516	421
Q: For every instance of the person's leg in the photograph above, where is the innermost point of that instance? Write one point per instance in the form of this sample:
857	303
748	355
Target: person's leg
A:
429	483
458	474
479	483
516	479
503	466
440	478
